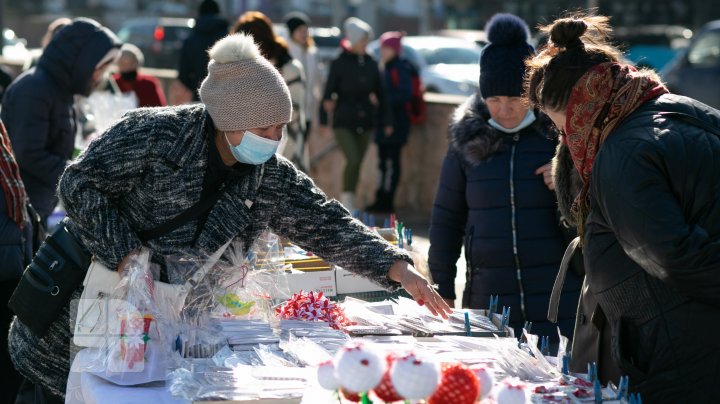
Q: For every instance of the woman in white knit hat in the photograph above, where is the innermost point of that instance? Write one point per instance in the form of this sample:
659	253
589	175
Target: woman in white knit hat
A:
156	163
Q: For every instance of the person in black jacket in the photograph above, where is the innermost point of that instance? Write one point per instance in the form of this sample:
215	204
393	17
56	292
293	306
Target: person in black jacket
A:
495	195
354	95
208	29
37	108
16	250
398	75
648	211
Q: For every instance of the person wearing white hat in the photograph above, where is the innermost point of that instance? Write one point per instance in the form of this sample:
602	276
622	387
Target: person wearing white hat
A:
354	99
156	164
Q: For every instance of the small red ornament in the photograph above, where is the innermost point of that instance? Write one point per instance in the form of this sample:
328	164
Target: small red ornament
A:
458	385
385	390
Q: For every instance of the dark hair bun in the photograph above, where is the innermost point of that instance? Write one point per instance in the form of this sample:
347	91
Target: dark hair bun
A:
566	32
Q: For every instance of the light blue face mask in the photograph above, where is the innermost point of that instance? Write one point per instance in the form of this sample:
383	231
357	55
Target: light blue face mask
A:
527	121
253	149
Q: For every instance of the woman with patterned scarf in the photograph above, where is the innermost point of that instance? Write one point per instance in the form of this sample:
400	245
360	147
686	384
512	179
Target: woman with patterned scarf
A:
16	250
647	210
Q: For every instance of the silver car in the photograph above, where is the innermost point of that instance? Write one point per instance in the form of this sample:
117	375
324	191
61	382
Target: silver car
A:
446	65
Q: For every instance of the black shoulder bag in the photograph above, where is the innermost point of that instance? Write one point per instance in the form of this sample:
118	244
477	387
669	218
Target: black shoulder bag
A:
58	269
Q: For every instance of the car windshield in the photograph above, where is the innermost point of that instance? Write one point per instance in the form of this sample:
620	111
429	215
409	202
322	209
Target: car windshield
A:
450	56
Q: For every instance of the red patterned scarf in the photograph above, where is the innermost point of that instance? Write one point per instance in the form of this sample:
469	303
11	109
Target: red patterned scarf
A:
12	185
601	99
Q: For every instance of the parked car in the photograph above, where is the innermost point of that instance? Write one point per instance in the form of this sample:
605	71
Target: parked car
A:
477	36
652	46
446	65
14	50
160	39
696	70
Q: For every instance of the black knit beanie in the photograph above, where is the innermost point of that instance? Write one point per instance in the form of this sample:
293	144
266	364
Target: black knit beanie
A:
502	62
209	7
295	20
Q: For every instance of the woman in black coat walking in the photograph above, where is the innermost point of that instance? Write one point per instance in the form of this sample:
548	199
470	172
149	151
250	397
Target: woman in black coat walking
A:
495	195
648	211
354	95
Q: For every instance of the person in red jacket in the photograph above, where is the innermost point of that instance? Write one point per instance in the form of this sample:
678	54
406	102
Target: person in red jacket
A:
146	88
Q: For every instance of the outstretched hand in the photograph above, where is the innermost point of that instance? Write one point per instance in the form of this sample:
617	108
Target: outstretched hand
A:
419	288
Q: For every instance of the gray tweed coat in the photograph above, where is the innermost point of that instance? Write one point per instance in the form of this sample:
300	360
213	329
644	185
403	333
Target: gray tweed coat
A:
148	168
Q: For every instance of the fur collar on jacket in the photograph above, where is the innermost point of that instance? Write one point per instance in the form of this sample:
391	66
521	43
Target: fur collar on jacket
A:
474	139
567	182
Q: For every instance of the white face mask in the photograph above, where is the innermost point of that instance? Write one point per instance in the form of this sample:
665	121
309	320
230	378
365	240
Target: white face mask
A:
527	121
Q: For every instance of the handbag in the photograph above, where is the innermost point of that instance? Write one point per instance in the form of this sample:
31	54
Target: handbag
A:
61	265
47	284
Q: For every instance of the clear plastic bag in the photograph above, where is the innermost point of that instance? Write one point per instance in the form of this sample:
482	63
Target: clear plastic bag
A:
138	347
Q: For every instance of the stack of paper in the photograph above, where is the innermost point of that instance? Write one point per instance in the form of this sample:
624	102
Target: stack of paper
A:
244	335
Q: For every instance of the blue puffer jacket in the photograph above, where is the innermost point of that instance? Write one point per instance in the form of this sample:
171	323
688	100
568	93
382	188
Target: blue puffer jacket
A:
37	108
490	201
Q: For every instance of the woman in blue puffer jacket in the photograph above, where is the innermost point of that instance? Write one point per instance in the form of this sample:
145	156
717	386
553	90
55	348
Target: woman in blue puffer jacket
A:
495	195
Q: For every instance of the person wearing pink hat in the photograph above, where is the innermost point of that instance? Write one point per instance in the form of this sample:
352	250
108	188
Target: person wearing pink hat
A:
397	76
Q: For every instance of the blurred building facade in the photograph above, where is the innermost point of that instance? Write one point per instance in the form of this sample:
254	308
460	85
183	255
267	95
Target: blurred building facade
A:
29	18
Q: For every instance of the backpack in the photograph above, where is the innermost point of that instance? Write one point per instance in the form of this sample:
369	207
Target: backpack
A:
416	108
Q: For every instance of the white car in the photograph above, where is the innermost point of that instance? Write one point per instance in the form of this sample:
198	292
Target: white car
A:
446	65
14	50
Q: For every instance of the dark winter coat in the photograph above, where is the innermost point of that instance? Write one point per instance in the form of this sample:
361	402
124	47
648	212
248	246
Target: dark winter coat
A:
15	245
193	55
652	254
490	201
37	108
398	91
353	78
148	168
592	334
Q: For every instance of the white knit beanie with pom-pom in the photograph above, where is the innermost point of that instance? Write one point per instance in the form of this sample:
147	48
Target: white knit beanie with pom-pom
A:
242	89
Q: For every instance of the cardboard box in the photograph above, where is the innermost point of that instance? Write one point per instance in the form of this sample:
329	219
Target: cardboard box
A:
348	282
318	281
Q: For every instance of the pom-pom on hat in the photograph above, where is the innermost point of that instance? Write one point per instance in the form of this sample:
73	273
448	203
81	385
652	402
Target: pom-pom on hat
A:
242	89
502	62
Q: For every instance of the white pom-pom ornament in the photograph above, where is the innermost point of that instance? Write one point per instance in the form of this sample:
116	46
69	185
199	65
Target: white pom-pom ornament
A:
486	378
512	391
359	368
414	378
326	376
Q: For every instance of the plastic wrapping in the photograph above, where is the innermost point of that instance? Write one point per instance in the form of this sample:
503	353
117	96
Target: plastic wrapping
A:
138	347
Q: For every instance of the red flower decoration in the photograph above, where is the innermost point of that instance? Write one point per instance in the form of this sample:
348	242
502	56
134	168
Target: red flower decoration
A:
385	390
313	306
458	385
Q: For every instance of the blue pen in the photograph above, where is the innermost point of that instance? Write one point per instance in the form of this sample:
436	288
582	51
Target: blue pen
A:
408	236
565	365
356	213
467	324
365	218
371	221
386	224
598	392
